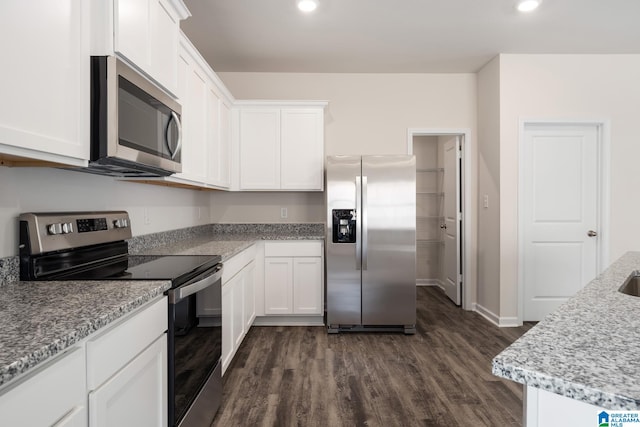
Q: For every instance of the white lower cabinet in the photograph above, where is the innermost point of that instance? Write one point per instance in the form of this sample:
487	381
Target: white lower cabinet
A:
293	278
307	285
238	312
127	371
55	394
544	408
227	326
238	302
116	377
249	308
75	418
278	285
137	394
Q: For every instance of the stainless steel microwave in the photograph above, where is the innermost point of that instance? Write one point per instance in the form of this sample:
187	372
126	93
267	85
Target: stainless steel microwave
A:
135	126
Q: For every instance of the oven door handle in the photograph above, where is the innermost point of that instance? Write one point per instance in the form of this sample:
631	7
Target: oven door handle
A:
178	294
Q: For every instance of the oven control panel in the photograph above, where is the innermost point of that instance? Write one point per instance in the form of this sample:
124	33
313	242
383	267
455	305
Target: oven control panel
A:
45	232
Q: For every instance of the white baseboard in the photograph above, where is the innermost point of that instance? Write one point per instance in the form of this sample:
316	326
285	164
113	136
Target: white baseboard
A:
428	282
288	321
503	322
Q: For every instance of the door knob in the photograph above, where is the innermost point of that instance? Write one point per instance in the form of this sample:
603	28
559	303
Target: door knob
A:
592	233
443	226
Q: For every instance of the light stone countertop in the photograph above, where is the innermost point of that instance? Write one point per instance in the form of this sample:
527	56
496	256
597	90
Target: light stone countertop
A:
42	319
226	245
587	350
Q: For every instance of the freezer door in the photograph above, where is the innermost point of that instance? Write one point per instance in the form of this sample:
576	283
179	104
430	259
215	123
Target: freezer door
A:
343	263
388	240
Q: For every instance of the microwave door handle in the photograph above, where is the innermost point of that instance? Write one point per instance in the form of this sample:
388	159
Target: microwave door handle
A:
174	152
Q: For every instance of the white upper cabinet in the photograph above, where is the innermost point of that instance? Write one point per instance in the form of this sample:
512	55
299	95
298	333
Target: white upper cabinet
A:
218	138
145	32
259	148
301	149
44	113
205	122
281	145
194	120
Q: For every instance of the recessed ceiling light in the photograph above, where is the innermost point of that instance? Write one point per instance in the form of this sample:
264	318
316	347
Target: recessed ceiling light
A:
527	5
307	5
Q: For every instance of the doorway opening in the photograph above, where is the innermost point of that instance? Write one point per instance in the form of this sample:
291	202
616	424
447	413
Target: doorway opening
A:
442	249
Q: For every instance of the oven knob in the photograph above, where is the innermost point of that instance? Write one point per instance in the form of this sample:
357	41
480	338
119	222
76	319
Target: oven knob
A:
54	229
67	228
118	223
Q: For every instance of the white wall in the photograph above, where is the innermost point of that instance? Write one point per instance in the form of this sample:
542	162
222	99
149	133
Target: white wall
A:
367	114
45	190
265	207
567	87
488	290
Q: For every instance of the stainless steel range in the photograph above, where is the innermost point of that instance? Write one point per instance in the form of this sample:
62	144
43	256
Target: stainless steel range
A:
92	246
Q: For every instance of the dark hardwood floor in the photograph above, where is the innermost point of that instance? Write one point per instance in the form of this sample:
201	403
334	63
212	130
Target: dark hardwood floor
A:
441	376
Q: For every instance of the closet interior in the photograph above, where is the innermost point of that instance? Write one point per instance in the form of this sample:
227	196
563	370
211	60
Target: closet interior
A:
429	209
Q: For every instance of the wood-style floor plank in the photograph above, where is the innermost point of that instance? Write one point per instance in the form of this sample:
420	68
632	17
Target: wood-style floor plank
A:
441	376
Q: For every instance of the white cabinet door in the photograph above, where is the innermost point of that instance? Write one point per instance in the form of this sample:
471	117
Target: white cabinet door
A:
163	33
44	113
136	395
249	296
227	326
307	285
131	32
217	139
278	285
194	121
224	162
259	148
75	418
146	33
237	323
220	157
53	393
302	149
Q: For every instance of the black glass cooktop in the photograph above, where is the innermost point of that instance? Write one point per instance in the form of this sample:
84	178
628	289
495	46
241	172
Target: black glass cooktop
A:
177	268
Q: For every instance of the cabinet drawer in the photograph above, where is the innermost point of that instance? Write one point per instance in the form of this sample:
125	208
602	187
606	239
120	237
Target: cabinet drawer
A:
113	349
48	395
237	262
293	249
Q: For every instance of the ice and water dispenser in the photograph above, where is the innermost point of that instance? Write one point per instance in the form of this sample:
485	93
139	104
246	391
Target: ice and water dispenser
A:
344	226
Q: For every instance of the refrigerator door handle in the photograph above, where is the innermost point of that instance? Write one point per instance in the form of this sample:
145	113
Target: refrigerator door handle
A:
358	223
363	212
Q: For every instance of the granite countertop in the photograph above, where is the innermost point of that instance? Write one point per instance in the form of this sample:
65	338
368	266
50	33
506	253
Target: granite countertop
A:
41	319
589	349
224	244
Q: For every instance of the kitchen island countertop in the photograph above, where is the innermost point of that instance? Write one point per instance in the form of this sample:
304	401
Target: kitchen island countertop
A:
587	350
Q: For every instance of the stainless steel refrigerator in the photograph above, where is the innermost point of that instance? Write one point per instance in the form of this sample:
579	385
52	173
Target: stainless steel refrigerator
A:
371	243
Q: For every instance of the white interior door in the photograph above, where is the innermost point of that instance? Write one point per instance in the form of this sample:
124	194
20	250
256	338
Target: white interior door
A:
560	214
451	215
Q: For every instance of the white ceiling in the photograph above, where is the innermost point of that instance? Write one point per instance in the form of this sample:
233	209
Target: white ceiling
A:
394	36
